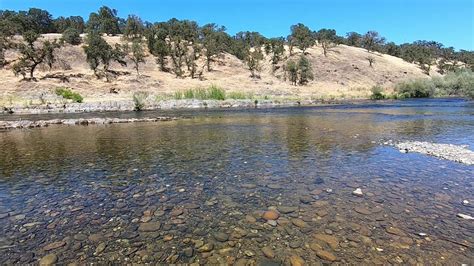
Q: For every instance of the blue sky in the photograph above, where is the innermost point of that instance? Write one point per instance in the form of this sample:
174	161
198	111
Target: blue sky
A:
447	21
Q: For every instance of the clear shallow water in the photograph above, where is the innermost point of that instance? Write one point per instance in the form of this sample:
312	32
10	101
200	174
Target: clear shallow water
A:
195	190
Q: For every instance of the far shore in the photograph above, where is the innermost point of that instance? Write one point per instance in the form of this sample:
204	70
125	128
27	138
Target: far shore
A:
126	106
184	104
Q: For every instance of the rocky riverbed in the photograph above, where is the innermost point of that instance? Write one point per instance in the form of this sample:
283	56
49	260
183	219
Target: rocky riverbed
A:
5	125
456	153
306	186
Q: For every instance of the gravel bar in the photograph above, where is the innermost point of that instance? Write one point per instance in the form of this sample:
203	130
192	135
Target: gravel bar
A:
456	153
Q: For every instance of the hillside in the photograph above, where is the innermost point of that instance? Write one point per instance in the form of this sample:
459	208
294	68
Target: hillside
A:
344	73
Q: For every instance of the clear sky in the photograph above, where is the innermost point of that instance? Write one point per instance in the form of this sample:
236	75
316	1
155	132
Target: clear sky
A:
447	21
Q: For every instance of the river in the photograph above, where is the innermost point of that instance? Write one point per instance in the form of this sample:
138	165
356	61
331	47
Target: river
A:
244	187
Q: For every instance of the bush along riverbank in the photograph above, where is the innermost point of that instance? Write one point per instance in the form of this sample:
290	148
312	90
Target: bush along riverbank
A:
459	83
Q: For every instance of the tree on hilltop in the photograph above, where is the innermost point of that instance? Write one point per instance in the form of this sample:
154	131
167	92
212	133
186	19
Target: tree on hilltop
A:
371	40
104	21
302	36
134	28
328	39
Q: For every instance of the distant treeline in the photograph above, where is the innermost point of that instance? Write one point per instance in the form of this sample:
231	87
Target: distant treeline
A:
184	41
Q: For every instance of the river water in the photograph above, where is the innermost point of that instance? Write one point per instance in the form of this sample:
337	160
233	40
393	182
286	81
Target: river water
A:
198	190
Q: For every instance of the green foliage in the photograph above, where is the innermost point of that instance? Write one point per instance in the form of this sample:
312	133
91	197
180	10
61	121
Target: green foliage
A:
240	44
182	34
98	51
459	83
418	88
422	52
304	70
72	36
156	36
40	21
61	24
253	61
276	46
104	21
134	28
211	93
137	54
213	41
299	73
67	93
392	49
377	93
328	39
139	100
371	40
353	39
302	36
292	70
32	55
3	48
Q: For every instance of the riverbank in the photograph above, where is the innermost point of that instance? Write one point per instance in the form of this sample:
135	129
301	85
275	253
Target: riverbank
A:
118	106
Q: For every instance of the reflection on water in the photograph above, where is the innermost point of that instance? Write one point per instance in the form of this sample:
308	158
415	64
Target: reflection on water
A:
196	190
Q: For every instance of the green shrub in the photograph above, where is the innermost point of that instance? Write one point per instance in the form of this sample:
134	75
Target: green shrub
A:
211	93
417	88
216	93
139	99
457	83
72	36
67	93
377	93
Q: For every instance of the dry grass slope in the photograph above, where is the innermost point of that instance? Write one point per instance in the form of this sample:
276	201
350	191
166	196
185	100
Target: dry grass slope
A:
344	73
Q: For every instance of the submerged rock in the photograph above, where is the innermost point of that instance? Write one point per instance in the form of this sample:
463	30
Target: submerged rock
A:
287	209
465	216
268	252
358	192
221	237
49	259
100	248
270	215
149	227
395	231
299	223
326	255
328	239
54	245
296	260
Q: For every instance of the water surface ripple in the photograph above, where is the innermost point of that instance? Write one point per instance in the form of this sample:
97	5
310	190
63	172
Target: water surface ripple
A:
208	189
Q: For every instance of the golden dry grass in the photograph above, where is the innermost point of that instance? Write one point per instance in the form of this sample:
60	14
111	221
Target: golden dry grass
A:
344	73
